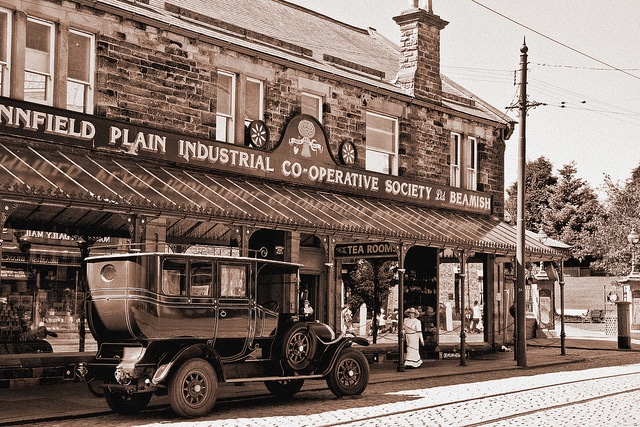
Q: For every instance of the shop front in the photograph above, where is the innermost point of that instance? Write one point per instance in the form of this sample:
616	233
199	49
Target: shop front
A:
93	185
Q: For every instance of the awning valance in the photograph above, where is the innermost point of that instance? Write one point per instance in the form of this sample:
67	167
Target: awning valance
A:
51	182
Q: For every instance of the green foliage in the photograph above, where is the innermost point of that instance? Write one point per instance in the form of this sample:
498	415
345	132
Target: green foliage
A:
622	214
539	184
564	206
362	284
574	213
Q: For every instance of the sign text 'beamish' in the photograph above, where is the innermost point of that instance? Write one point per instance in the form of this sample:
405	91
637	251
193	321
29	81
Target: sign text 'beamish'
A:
303	155
366	250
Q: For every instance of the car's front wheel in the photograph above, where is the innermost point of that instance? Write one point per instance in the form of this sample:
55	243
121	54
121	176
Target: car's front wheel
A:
350	373
193	389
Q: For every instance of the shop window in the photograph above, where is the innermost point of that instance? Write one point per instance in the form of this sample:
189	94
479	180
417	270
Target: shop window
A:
471	161
80	72
454	160
382	144
226	106
38	71
312	105
233	281
5	48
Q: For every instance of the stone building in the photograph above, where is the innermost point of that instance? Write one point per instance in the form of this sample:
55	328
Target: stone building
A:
256	125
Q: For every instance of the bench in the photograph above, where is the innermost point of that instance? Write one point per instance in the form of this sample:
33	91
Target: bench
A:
596	315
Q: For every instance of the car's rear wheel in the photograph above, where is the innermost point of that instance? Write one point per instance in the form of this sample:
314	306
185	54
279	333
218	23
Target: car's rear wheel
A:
299	346
125	403
284	388
193	389
350	373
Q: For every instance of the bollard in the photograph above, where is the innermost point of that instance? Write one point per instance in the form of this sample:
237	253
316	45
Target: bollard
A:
624	324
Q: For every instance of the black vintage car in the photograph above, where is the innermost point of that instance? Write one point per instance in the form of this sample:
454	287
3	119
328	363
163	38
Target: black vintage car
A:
179	324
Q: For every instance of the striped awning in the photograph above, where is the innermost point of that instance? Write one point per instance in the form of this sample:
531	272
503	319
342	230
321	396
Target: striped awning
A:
87	192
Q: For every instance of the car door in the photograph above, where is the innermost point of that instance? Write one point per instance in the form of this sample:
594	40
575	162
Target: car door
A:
234	324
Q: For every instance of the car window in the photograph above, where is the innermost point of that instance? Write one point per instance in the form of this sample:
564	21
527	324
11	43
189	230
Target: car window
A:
174	273
201	278
233	281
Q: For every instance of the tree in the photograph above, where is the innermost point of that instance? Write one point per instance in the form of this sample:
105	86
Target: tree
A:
622	213
362	284
539	185
574	213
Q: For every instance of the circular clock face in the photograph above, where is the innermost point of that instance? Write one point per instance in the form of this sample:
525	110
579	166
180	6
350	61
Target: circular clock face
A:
348	153
258	133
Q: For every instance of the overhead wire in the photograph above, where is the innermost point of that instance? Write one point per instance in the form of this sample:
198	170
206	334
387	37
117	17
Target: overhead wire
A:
579	52
496	76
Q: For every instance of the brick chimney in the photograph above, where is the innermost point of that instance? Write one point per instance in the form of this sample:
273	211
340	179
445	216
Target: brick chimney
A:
420	52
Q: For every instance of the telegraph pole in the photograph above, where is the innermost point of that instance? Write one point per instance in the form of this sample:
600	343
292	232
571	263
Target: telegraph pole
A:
521	338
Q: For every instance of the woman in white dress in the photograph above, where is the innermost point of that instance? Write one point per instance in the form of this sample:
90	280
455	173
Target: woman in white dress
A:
413	335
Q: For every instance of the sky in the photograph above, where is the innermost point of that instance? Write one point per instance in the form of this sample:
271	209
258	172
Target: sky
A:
584	68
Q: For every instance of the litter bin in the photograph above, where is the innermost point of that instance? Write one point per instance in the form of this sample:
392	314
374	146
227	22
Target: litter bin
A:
624	324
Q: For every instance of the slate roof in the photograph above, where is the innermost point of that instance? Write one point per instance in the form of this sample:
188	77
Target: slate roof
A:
296	34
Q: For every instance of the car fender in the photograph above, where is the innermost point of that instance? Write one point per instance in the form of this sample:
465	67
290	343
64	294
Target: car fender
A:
167	364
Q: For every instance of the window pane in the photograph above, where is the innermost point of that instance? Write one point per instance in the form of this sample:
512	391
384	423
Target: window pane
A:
455	149
38	47
222	128
378	162
35	87
225	88
201	278
75	96
3	37
381	133
454	160
174	273
253	100
79	56
311	105
233	281
4	47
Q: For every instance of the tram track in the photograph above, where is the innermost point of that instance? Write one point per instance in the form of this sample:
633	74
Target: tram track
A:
415	410
484	401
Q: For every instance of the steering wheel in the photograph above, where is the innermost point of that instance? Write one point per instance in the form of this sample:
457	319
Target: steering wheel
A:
271	305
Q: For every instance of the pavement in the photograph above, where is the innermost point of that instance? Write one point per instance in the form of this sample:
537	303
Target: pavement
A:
44	402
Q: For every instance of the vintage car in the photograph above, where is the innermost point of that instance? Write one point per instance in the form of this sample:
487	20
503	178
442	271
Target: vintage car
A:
178	324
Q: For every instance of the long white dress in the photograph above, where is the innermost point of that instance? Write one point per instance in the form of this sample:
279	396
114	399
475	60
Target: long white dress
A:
413	335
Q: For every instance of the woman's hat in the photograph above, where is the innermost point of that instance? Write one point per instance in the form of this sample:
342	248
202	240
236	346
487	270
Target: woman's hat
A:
411	310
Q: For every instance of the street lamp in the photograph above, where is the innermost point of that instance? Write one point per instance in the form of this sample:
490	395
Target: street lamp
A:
542	236
633	238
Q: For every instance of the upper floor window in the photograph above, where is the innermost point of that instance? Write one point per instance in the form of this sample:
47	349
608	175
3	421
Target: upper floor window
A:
38	72
240	101
225	111
471	162
382	144
454	160
80	71
312	105
5	48
38	44
463	162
